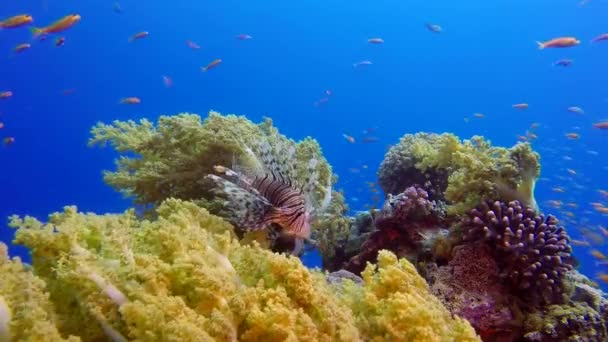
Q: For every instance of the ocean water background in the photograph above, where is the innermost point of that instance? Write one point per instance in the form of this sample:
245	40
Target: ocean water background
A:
484	61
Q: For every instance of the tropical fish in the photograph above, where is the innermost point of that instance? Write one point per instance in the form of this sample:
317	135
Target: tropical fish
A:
580	243
603	277
362	63
601	125
243	36
479	115
563	62
433	28
16	21
59	26
603	36
167	81
375	41
520	106
8	141
130	100
59	41
22	47
561	42
212	65
1	125
6	94
573	136
192	45
598	255
349	138
139	35
577	110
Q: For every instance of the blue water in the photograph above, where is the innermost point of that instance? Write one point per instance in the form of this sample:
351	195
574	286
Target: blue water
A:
484	61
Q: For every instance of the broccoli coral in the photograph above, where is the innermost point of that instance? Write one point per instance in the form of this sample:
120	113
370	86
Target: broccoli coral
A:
184	276
461	173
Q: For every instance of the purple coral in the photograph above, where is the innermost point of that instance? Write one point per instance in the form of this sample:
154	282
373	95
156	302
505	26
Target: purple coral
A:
410	205
532	251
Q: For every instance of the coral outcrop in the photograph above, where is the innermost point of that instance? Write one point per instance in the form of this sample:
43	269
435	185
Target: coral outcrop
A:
532	250
462	173
184	276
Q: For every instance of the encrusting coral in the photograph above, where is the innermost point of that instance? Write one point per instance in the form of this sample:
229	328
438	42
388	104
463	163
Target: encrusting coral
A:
184	276
462	173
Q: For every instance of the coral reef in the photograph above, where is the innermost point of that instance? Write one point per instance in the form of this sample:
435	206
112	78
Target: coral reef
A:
533	252
185	276
461	173
176	159
576	322
399	227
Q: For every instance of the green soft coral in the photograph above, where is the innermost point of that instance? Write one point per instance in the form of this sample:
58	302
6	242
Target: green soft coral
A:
171	158
184	276
472	170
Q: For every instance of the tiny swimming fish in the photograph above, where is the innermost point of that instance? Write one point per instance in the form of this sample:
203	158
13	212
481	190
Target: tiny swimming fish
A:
603	277
573	136
130	100
601	37
601	125
369	139
558	189
167	81
243	36
22	47
563	62
520	106
571	172
16	21
598	255
192	45
362	63
6	94
1	125
59	41
580	243
8	141
116	7
479	115
59	26
561	42
212	65
349	138
433	28
139	35
375	41
576	110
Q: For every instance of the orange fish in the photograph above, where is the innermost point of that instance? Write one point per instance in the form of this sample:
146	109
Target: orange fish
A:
601	209
573	136
58	26
139	35
598	255
603	277
603	36
375	41
520	106
22	47
16	21
349	138
561	42
601	125
212	65
130	100
6	94
8	141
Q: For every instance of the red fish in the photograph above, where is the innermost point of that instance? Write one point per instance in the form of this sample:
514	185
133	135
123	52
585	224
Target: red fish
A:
212	65
130	100
139	35
192	45
561	42
601	125
16	21
6	94
603	36
58	26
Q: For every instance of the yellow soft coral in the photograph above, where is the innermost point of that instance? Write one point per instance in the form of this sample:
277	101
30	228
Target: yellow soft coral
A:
395	304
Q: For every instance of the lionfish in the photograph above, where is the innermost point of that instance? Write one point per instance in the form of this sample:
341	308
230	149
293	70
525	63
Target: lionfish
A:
267	192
